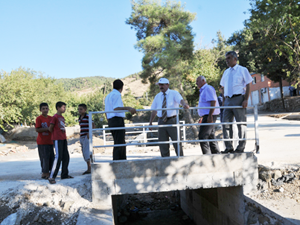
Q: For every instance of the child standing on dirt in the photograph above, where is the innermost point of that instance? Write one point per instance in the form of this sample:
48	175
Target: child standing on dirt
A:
59	138
44	142
84	135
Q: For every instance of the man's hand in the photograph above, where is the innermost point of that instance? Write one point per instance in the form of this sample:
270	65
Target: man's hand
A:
186	106
132	110
150	124
209	119
245	104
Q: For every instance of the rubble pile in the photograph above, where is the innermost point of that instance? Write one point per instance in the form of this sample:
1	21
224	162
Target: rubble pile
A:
278	184
13	150
42	203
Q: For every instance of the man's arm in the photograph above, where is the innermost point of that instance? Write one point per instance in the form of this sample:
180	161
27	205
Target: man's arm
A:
131	110
245	102
211	111
41	129
184	104
152	116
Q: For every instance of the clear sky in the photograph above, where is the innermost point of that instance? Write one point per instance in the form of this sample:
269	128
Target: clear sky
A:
78	38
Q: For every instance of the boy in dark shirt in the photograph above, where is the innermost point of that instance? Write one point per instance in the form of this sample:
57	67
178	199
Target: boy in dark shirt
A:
59	138
44	142
84	135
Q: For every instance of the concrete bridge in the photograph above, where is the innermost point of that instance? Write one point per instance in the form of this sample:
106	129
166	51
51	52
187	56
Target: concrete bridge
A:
212	187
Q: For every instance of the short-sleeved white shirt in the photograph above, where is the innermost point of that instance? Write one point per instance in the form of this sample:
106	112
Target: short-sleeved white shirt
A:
173	100
113	100
240	77
207	94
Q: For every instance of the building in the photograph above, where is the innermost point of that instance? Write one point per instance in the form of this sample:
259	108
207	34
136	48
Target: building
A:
263	89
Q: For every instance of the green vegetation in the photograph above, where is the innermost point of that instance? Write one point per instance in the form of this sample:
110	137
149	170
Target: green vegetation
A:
22	90
80	83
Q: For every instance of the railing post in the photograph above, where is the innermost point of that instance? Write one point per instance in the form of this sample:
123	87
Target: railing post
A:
178	132
256	129
91	136
184	132
145	135
104	137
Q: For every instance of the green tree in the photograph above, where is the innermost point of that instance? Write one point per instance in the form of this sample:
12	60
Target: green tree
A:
165	37
277	23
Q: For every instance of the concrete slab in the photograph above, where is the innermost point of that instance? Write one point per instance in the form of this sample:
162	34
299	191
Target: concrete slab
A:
172	173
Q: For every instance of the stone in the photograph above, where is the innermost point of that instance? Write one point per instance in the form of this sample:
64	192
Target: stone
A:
122	219
265	176
277	174
36	218
67	206
11	219
281	189
48	218
185	217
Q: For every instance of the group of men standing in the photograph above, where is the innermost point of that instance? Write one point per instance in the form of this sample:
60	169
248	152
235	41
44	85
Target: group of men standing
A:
235	92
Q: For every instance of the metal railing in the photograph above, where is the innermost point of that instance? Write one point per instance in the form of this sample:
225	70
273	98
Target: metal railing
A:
177	125
144	132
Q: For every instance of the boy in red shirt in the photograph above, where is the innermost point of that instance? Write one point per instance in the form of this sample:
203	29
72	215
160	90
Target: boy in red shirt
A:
59	138
44	142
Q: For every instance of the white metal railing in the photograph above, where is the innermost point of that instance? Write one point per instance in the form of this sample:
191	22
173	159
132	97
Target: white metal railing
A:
144	131
177	125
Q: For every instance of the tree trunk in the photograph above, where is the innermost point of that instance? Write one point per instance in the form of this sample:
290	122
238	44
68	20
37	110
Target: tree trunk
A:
281	93
188	115
104	91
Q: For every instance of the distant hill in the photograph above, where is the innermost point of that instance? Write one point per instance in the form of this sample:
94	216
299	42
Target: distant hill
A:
82	83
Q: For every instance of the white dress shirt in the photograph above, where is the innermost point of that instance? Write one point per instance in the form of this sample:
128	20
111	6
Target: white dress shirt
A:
235	79
173	100
207	94
113	100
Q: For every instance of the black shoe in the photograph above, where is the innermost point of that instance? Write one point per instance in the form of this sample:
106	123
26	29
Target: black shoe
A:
227	151
238	151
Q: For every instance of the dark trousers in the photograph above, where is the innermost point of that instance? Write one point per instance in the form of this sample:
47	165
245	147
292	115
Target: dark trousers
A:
208	132
240	116
61	157
163	135
46	155
119	153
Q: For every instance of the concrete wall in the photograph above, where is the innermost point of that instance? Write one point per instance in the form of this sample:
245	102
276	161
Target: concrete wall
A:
172	173
214	206
227	206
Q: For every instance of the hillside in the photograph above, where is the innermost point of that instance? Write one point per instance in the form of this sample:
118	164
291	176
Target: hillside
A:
85	85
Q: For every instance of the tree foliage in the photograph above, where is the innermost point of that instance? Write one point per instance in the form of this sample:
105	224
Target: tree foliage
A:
80	83
164	36
276	24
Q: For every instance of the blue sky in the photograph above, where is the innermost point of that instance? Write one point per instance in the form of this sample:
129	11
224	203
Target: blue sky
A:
72	38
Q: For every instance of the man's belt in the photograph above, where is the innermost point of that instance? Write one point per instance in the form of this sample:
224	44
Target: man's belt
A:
168	117
233	96
115	117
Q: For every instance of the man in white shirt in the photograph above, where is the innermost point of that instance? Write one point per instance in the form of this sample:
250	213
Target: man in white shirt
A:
113	101
207	98
236	82
167	98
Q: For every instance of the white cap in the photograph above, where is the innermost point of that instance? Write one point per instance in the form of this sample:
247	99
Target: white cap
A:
163	81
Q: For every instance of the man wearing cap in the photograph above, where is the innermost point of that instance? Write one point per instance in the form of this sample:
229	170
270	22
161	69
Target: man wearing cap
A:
207	98
236	82
167	98
113	101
